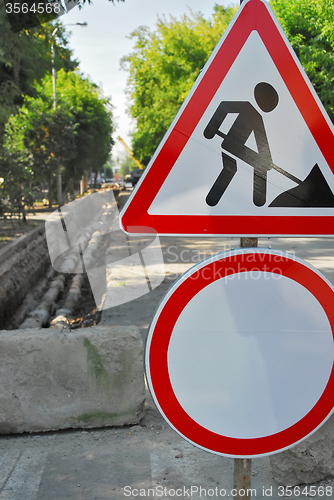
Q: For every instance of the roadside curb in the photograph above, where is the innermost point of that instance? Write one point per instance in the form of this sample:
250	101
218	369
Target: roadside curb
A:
21	242
59	379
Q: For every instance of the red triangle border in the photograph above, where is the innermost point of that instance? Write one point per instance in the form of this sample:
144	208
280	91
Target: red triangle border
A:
254	15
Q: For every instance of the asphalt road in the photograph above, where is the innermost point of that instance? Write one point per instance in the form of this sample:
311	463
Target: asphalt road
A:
149	460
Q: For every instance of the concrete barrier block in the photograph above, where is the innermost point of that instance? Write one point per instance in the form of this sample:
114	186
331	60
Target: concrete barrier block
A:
309	461
58	379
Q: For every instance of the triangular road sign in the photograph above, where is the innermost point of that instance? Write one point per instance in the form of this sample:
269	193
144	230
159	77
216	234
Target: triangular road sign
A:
251	151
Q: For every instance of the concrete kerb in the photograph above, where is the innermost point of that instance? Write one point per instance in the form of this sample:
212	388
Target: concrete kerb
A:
59	379
20	243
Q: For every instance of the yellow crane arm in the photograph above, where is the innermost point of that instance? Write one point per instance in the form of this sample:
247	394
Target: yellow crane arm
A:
137	162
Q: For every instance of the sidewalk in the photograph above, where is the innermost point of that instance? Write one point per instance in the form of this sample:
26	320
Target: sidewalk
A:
181	253
149	460
113	463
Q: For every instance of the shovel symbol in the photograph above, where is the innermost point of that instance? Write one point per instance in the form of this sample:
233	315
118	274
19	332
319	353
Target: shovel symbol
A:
312	192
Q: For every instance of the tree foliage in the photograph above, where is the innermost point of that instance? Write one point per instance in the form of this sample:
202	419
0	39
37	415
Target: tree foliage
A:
163	67
25	58
32	14
35	139
127	165
92	114
309	26
165	62
76	136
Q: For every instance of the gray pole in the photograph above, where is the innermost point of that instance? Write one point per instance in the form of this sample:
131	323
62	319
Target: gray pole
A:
54	74
54	85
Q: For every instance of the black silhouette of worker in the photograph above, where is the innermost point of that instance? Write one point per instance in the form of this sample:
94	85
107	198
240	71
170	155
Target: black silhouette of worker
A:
313	191
248	120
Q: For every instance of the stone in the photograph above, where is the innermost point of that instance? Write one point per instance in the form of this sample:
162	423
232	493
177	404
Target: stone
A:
136	428
58	379
309	461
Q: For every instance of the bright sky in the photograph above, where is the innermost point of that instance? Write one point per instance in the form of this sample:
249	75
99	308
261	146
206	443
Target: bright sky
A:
100	46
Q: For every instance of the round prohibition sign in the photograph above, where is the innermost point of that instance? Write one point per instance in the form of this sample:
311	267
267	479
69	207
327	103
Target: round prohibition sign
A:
239	355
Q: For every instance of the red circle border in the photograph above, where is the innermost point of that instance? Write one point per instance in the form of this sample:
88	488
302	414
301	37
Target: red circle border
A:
158	350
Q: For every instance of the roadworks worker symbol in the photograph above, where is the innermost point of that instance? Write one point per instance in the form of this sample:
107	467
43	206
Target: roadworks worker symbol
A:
247	141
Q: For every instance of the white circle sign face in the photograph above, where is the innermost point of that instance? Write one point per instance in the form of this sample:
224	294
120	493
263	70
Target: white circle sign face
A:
240	353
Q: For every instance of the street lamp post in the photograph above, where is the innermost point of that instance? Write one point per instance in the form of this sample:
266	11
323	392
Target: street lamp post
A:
54	87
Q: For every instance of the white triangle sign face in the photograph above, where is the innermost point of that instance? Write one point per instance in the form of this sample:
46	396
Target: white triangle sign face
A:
251	151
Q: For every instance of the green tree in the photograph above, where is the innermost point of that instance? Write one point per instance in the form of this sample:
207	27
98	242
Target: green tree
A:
92	114
309	26
38	140
75	137
163	67
165	63
31	15
25	58
108	171
10	46
127	165
16	185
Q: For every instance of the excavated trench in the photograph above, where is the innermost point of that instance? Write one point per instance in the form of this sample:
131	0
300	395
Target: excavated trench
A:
24	289
85	313
34	294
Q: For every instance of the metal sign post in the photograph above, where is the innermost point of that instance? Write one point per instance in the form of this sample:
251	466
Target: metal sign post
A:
242	477
243	466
